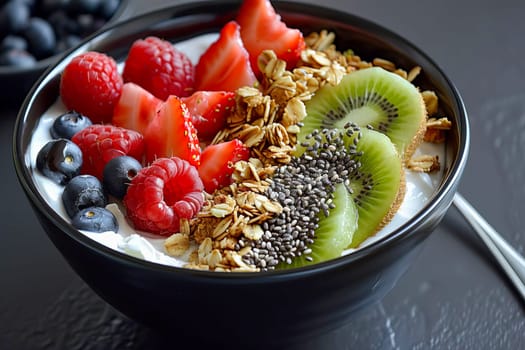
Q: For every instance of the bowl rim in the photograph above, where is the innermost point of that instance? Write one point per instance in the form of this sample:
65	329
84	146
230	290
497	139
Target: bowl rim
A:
448	184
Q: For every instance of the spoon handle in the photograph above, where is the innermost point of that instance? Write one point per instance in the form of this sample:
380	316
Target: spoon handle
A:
512	263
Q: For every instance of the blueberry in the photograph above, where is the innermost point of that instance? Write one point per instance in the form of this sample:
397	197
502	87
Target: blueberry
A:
62	23
17	58
83	191
95	219
118	173
40	37
60	160
86	24
29	3
11	42
84	6
108	8
14	17
49	6
66	42
68	124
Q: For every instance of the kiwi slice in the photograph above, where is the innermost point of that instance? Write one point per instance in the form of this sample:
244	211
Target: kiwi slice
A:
378	186
371	97
334	233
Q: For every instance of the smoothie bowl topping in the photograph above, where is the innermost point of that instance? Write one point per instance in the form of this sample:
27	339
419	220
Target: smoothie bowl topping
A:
245	150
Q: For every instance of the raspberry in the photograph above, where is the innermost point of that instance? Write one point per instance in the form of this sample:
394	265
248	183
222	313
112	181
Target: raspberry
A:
163	193
158	67
91	85
101	143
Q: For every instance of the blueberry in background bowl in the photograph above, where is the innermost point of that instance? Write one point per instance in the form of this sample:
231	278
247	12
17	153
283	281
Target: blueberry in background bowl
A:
34	33
274	307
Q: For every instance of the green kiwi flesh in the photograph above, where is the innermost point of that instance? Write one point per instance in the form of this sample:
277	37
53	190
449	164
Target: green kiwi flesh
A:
334	233
378	187
371	97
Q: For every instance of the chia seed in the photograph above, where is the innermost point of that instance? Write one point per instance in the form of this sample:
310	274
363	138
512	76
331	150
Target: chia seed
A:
305	187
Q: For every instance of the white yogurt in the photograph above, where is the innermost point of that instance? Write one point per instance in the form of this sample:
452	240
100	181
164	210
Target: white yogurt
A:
420	187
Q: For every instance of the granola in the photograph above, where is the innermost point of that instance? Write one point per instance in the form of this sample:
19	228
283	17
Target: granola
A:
424	163
267	119
437	129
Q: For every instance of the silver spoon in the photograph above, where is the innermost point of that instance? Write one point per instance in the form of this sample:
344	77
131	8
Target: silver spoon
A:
512	263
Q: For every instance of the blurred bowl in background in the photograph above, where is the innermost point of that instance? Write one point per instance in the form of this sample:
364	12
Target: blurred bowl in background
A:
71	22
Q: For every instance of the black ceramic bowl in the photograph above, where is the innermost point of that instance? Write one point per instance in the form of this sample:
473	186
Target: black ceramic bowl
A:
21	79
270	307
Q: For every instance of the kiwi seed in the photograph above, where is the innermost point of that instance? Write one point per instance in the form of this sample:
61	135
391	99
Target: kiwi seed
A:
373	98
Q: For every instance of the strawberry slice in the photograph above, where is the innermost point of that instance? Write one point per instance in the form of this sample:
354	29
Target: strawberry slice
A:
262	29
136	108
171	133
225	65
217	163
209	110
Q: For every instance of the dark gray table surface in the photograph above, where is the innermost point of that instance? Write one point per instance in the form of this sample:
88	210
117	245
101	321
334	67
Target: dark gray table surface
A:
453	297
